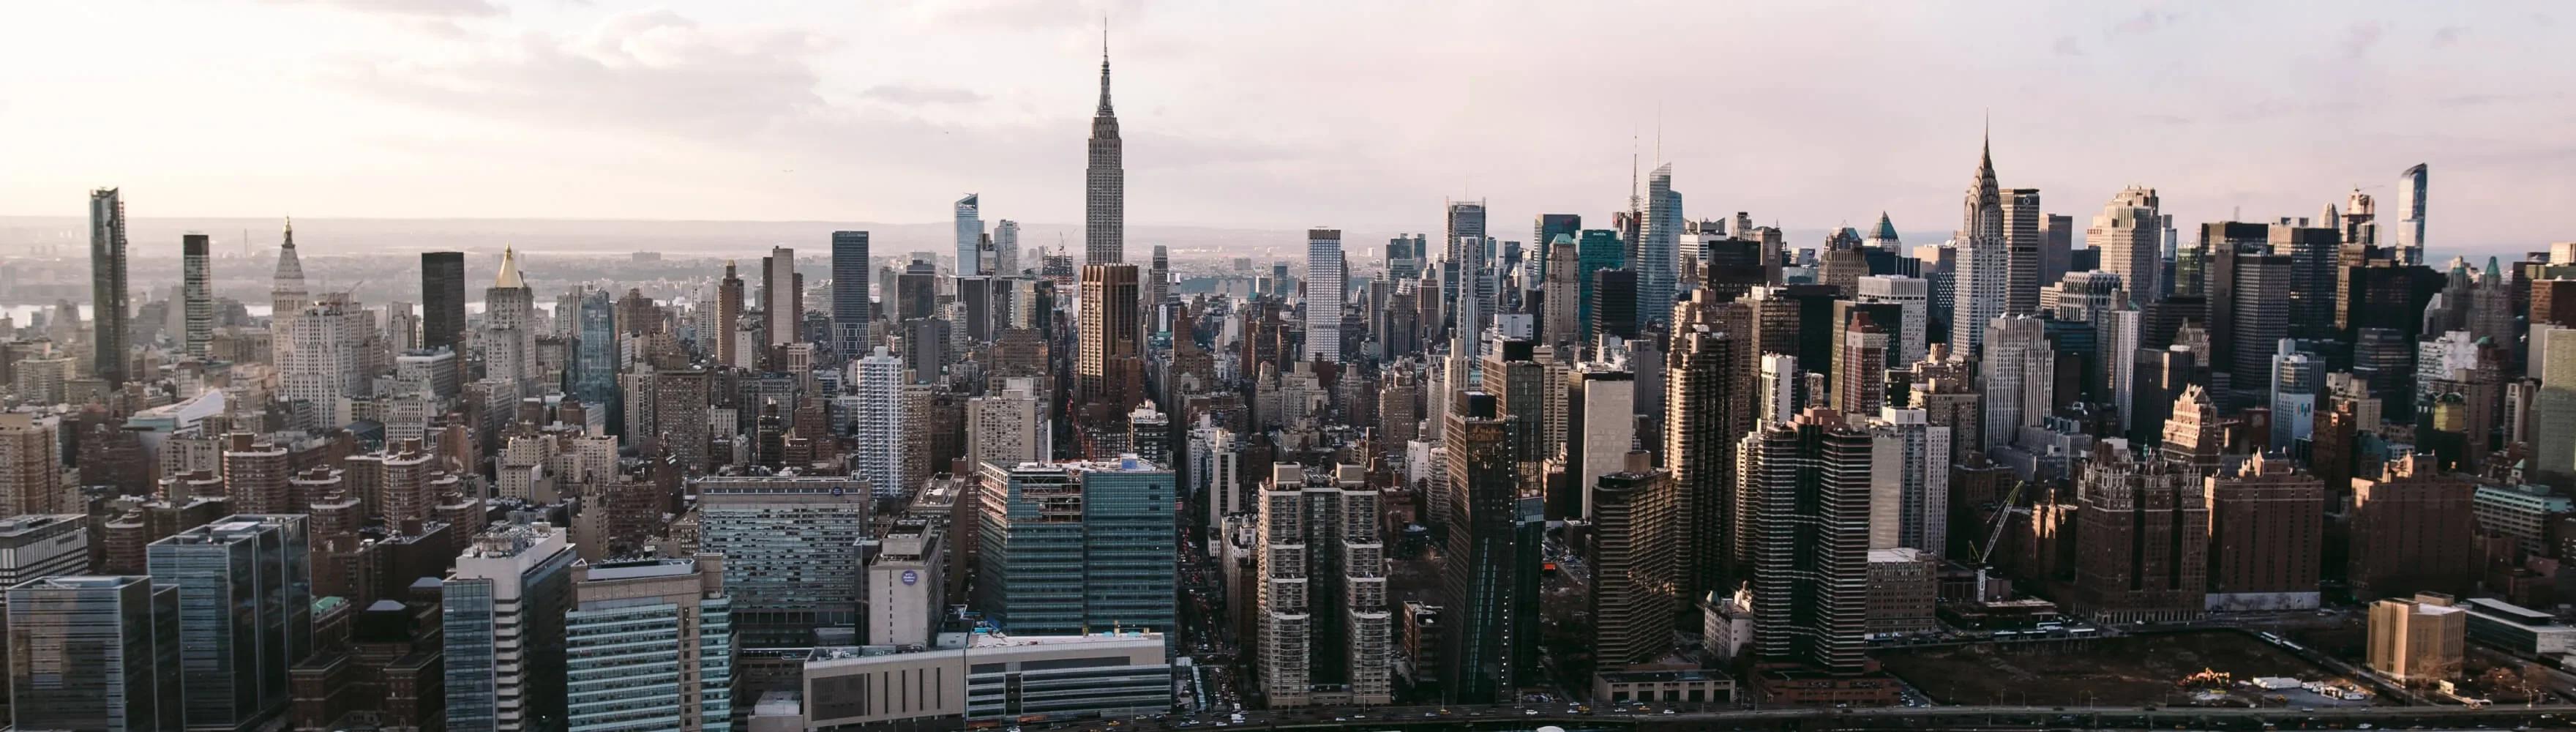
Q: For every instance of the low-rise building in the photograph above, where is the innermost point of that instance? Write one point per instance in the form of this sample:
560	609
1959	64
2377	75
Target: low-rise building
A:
2421	639
2522	631
1683	686
1903	584
990	677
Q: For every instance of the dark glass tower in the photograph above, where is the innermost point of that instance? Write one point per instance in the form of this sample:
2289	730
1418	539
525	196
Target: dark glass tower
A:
442	300
108	306
850	293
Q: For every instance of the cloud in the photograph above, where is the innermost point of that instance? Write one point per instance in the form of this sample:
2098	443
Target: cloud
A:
921	94
2447	35
2359	39
2146	21
2066	47
414	8
1026	15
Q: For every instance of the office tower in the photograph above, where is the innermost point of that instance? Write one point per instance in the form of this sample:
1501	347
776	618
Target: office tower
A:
649	644
502	626
1489	570
1657	265
1861	355
442	300
1543	234
2420	639
1065	547
880	423
1613	304
1779	389
1405	256
2193	436
1985	260
1709	406
850	306
1910	481
1323	630
1561	300
2412	530
2056	247
287	297
730	344
595	362
792	552
31	465
1601	422
782	296
96	653
196	298
1841	264
1637	576
510	325
323	367
2023	258
2129	231
110	312
1009	427
1104	228
1006	248
2409	216
1913	297
2146	538
1324	292
2313	253
2019	369
1811	481
1108	372
1158	284
2266	537
1595	250
970	238
2296	379
245	614
1466	241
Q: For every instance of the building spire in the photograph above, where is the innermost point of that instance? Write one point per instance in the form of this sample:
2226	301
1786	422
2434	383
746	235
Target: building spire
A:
290	232
1104	67
1986	150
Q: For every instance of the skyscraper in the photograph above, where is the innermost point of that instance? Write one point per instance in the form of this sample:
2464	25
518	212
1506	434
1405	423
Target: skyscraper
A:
728	315
1811	479
970	240
1466	235
287	299
510	325
1487	557
1913	297
1985	259
196	298
782	296
2145	525
108	306
1638	576
2411	191
31	465
95	653
442	300
649	644
2130	233
2023	257
322	367
1104	221
595	361
1324	632
1543	234
1324	292
881	423
1658	266
1006	248
1596	250
2019	370
1108	373
850	311
245	614
501	621
1912	463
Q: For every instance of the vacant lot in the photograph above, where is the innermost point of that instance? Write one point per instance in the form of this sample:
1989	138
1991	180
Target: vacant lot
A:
2126	671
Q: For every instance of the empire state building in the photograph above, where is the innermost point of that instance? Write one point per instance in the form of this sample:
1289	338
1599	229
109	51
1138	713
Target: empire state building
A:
1105	183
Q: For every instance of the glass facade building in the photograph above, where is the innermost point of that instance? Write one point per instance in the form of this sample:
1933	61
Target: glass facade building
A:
245	614
95	653
1595	250
649	646
594	371
502	618
1070	548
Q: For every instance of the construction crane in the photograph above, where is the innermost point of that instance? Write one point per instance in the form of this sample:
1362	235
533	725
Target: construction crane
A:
2002	518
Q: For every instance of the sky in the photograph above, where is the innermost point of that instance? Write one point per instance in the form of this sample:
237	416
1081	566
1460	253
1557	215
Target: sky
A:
1259	114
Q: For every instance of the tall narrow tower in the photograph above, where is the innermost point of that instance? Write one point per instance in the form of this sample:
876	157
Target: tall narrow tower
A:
108	305
286	297
1105	181
194	293
1985	262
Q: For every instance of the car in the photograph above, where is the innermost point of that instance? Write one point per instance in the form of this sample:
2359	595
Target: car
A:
1668	710
1529	712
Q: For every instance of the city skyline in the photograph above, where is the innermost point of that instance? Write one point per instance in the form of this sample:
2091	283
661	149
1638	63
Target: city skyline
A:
536	110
